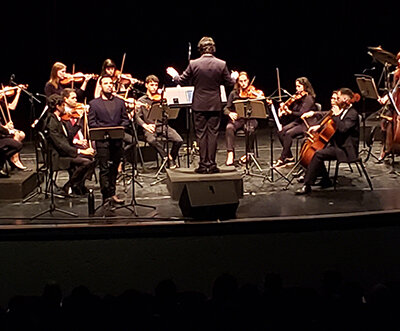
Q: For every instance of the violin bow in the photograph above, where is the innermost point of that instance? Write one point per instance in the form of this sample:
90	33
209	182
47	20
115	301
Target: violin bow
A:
279	84
73	72
8	109
122	68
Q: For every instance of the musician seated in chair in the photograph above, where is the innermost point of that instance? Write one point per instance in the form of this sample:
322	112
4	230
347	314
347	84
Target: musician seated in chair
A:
241	90
291	112
343	146
58	138
151	130
389	116
8	147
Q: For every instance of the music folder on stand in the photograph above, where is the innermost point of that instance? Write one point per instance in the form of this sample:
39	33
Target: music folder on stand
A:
251	109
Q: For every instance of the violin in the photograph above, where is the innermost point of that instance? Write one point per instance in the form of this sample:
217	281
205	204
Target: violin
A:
78	77
10	90
76	112
288	102
125	79
251	92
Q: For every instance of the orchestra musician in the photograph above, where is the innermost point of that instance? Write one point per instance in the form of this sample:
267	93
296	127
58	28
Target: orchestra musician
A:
18	135
301	102
108	111
58	138
390	117
73	118
57	74
343	146
206	73
153	130
8	146
121	80
241	90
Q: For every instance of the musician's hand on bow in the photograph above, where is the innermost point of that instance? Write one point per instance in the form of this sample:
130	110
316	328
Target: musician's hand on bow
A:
383	100
233	116
313	128
308	114
149	127
172	72
234	75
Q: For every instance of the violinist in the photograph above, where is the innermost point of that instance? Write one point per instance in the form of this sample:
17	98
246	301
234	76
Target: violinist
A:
121	80
291	112
18	135
57	75
343	145
153	130
73	118
58	138
8	146
240	91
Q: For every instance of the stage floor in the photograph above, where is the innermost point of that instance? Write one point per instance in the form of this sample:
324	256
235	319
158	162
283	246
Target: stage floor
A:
263	199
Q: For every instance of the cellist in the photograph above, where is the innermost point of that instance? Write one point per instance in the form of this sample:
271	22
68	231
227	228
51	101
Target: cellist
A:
343	145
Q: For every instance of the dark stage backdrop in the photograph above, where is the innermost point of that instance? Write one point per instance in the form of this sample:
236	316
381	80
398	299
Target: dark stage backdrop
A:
324	41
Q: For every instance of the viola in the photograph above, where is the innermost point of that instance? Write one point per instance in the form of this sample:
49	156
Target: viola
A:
78	77
75	113
251	92
288	102
155	97
10	90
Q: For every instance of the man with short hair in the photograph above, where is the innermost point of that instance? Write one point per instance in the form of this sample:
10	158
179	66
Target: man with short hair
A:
108	111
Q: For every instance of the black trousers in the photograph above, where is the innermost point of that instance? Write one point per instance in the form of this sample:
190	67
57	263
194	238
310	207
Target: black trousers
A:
173	136
109	154
231	129
287	135
206	125
317	168
81	167
8	147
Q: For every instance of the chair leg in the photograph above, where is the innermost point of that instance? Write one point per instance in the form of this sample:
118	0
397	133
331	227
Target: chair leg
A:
366	175
336	175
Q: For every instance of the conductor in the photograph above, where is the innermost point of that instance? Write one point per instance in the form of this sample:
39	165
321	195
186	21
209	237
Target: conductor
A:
206	73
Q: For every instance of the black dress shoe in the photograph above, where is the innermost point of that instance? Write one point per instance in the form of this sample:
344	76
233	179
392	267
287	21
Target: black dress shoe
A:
305	189
201	170
213	170
325	183
3	174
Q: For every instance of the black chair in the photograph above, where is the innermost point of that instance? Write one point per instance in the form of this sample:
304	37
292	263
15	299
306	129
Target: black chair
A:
52	162
359	164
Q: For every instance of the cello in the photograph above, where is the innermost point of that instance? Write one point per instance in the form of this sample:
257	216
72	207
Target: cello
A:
317	140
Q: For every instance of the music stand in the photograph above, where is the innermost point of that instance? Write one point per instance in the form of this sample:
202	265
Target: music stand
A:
160	113
250	109
368	90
